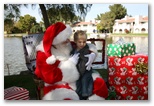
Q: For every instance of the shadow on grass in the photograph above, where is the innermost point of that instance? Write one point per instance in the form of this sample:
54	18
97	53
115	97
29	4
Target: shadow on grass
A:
27	82
24	81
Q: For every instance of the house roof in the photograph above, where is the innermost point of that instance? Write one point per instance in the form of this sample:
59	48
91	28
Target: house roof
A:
128	20
85	23
132	19
145	18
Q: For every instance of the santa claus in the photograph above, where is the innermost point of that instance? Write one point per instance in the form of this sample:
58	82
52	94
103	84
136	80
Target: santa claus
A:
57	68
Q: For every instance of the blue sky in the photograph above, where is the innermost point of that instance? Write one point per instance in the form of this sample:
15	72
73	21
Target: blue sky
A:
132	9
96	9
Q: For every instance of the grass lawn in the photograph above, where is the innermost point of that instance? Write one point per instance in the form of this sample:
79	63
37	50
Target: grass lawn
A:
130	34
102	72
27	82
24	81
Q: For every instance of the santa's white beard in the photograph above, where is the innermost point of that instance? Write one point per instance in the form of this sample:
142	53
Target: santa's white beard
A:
62	51
68	68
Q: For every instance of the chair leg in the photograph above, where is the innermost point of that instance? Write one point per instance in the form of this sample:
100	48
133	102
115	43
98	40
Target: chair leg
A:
39	87
41	93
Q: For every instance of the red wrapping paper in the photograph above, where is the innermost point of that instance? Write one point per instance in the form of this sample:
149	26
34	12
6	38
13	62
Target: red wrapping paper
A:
125	81
16	93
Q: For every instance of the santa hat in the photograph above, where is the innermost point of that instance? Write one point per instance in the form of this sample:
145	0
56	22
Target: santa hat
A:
55	34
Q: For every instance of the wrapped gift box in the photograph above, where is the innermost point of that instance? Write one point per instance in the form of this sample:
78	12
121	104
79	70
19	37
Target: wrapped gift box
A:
16	93
121	50
128	77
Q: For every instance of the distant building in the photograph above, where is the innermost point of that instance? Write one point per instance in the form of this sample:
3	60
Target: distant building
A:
137	24
89	27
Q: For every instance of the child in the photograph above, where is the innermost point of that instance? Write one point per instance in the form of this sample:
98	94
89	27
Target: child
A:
85	82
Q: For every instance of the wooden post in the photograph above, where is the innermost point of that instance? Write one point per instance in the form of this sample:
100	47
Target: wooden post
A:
8	69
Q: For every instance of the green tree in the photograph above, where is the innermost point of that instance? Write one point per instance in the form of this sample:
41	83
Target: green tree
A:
36	28
65	14
8	25
11	11
42	25
107	21
82	9
117	11
66	10
26	22
16	30
98	17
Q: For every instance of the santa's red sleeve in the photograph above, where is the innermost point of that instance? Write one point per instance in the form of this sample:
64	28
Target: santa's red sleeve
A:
48	73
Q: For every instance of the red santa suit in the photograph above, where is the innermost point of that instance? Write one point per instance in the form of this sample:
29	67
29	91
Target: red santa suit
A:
57	70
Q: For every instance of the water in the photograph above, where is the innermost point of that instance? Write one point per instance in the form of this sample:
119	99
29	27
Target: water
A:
13	56
140	42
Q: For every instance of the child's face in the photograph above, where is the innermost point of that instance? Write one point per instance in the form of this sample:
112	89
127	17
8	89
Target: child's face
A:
81	42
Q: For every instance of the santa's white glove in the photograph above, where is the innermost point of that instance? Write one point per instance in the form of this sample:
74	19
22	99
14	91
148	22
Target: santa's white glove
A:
74	58
90	60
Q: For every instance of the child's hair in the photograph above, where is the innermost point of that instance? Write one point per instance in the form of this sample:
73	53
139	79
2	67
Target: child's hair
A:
78	34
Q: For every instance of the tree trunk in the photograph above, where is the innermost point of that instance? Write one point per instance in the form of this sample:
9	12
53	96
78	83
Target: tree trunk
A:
45	16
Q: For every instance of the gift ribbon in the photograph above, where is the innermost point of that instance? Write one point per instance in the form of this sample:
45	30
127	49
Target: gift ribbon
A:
141	67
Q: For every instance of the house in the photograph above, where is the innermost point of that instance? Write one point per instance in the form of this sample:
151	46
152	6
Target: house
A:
89	27
137	24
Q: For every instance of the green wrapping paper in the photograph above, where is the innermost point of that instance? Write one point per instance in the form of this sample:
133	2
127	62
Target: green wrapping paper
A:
121	50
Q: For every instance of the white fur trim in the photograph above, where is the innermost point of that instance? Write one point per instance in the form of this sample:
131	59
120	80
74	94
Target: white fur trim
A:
69	71
61	94
73	85
39	47
96	97
63	35
51	59
95	75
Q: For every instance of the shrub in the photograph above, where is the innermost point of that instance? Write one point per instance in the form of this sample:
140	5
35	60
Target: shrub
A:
126	31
